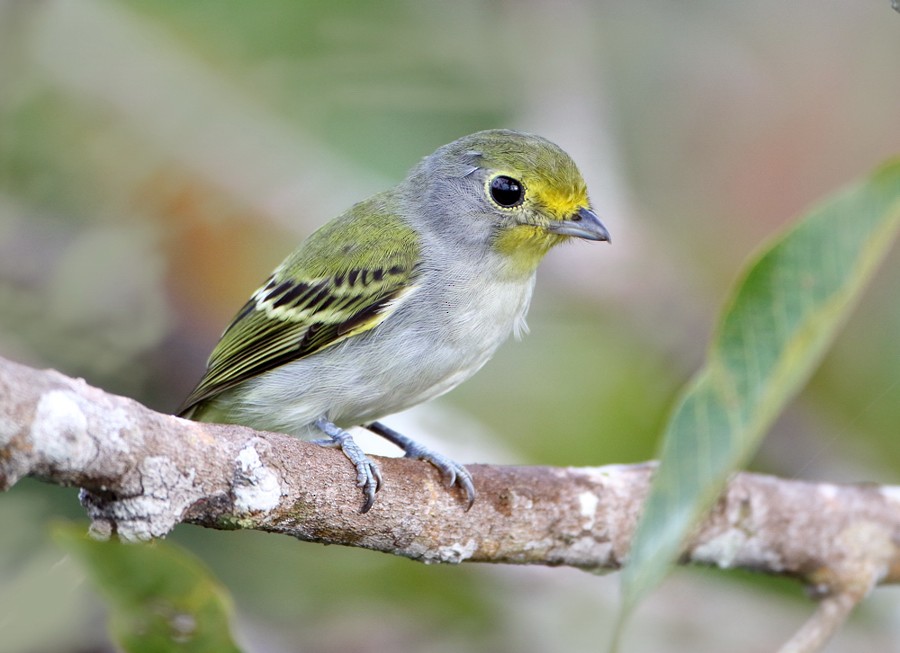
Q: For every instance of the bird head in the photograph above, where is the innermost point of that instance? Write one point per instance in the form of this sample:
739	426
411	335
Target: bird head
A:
515	193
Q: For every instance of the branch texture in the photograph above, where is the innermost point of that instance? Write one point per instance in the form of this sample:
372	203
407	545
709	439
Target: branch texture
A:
142	472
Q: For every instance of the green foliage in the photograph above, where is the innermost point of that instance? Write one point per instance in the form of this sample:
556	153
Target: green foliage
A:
160	597
783	314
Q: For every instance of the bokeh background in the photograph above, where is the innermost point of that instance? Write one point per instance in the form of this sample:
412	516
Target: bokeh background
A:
158	158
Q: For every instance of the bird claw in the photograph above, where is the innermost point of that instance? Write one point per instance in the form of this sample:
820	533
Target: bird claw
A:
368	475
451	471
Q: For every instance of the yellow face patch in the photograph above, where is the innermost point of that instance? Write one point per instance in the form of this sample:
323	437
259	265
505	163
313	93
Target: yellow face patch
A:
546	200
525	245
557	202
545	196
554	191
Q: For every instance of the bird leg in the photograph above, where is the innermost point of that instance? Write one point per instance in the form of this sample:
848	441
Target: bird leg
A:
453	472
368	476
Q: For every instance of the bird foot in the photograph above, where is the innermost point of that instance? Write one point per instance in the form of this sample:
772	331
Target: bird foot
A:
451	471
368	476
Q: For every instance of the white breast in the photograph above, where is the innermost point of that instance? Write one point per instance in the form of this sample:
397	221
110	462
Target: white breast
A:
439	337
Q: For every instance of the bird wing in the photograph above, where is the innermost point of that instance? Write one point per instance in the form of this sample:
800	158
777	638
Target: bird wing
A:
347	278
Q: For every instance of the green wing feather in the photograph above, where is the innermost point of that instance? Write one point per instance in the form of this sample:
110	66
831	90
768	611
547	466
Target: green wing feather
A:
347	278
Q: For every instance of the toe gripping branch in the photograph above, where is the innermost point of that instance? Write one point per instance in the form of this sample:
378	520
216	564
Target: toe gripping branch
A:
452	472
368	476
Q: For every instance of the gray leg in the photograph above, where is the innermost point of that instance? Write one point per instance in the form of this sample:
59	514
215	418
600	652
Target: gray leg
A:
368	476
453	472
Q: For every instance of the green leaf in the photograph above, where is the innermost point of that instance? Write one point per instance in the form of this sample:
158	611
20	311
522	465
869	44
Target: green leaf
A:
783	314
160	597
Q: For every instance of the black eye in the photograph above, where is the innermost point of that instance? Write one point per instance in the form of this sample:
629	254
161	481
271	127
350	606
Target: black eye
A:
506	191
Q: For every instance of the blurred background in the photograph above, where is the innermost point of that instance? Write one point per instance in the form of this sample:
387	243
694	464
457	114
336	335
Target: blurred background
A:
159	158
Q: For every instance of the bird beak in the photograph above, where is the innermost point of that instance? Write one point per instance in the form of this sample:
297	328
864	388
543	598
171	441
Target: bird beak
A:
584	224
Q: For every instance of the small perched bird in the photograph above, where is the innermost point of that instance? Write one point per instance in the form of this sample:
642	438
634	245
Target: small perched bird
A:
398	300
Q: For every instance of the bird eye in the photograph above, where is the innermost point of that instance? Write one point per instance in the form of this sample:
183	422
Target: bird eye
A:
506	191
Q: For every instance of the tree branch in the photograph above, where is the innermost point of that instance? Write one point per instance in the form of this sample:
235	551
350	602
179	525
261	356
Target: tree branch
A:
142	472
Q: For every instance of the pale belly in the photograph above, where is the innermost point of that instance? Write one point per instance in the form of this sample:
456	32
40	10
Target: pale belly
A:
421	356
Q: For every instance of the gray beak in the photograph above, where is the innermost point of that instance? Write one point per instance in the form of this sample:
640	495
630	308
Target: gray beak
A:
584	224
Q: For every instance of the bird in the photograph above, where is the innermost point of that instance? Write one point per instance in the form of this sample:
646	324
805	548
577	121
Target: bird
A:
398	300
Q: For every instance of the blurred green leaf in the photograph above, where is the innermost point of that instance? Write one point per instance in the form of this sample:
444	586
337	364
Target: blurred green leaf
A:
784	313
160	597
